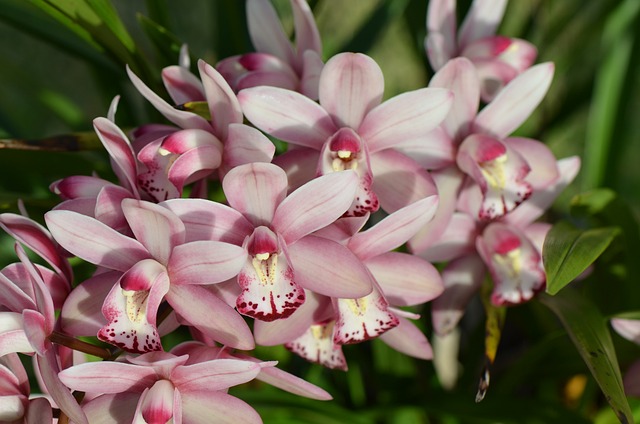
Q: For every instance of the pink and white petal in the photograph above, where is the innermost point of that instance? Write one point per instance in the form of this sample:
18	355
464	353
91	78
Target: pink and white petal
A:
460	76
481	21
83	205
108	207
394	230
287	115
81	313
266	32
462	279
36	238
408	339
207	220
316	308
315	205
182	141
120	151
182	85
520	54
512	52
78	186
194	165
439	49
49	372
200	407
327	267
12	337
157	228
351	84
441	20
181	118
458	239
307	35
627	328
112	408
494	75
93	241
213	375
281	78
196	305
398	180
343	229
532	208
544	169
245	144
256	190
317	345
536	233
108	377
631	380
39	411
15	291
405	117
363	319
205	262
405	279
35	329
312	66
156	404
299	164
222	101
515	102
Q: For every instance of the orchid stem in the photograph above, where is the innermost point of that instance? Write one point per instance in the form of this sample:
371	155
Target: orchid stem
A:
79	345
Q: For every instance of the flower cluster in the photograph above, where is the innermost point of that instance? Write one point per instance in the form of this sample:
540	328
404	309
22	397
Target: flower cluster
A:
304	246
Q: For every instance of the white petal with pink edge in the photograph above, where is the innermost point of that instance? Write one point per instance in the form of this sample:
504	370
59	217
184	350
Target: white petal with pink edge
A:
317	345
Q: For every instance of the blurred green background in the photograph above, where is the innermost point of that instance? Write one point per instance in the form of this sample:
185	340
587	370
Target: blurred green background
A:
55	80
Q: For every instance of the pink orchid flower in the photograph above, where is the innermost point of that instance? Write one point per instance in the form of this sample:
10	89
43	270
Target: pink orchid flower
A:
498	59
630	330
352	129
277	63
489	173
157	265
158	387
274	230
318	330
510	249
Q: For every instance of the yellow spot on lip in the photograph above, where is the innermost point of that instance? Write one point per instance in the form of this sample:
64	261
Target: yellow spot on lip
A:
266	265
262	256
344	154
136	303
510	263
163	151
493	171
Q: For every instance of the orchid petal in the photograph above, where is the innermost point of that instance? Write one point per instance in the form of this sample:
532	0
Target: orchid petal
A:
112	408
181	118
307	35
157	228
281	78
316	204
156	403
196	305
39	411
439	49
108	377
223	104
205	262
182	85
515	102
405	279
12	336
462	279
287	115
326	267
441	31
266	32
351	84
408	339
93	241
35	329
398	180
312	66
394	230
299	164
541	160
481	21
245	144
108	207
81	313
627	328
256	190
78	186
457	239
317	345
214	375
203	406
120	150
405	117
207	220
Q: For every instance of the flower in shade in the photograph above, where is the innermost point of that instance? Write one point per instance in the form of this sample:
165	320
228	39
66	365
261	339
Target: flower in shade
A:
630	330
351	128
498	59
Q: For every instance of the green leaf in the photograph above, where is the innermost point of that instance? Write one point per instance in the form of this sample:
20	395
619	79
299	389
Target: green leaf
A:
568	251
587	328
167	44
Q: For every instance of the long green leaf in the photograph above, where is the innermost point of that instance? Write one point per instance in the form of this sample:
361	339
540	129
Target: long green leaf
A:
587	328
568	251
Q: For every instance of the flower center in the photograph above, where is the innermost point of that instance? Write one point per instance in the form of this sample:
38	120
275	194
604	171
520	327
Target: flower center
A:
494	172
136	305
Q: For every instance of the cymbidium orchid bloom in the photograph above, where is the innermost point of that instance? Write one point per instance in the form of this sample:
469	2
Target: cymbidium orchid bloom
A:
159	387
276	62
630	330
352	128
498	59
157	264
510	249
488	173
319	329
274	230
